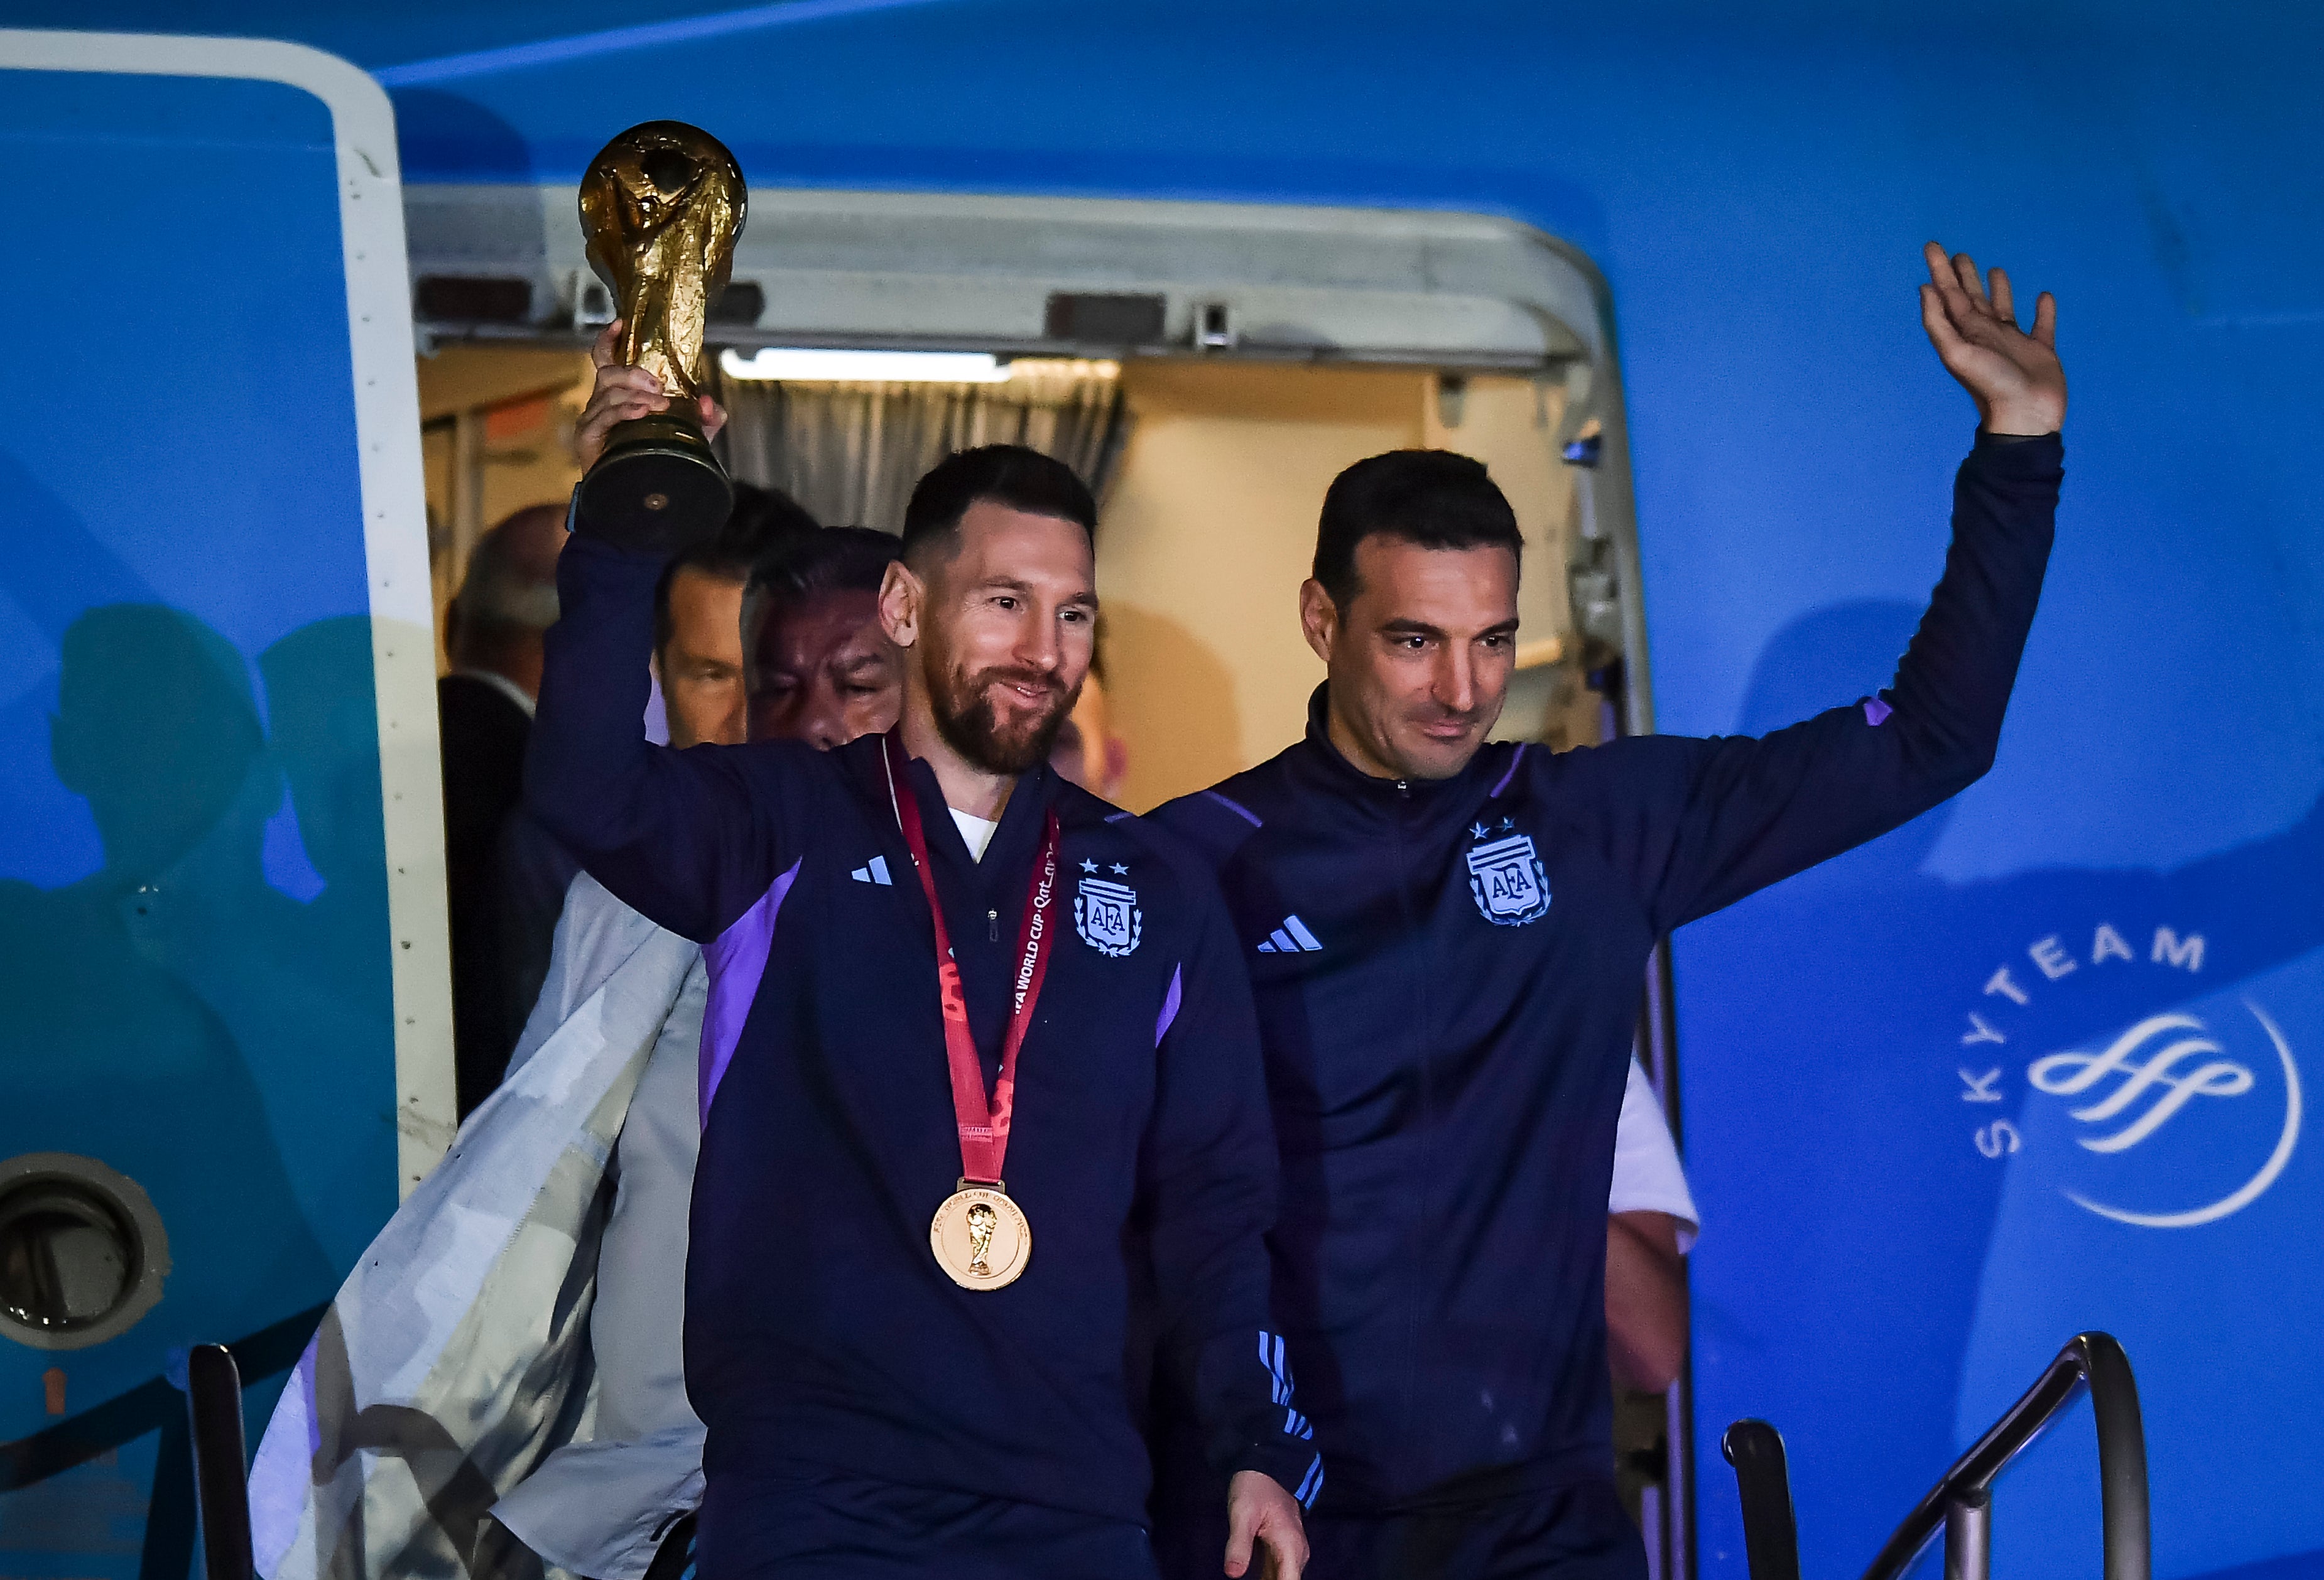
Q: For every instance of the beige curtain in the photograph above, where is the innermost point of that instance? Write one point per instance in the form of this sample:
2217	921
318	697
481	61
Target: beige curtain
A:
851	452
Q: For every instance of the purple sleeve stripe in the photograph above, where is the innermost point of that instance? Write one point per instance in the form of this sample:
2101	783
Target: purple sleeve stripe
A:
1169	1005
1876	712
1241	811
737	959
1515	758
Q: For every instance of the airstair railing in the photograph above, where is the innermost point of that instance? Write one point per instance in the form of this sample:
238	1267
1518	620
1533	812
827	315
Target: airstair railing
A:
221	1471
1771	1536
1961	1503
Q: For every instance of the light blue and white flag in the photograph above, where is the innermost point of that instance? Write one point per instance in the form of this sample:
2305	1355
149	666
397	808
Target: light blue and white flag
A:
456	1359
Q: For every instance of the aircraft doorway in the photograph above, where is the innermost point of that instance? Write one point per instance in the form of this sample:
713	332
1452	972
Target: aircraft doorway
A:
1208	368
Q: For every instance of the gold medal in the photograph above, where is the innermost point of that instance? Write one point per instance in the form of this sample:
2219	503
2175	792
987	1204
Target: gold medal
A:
980	1237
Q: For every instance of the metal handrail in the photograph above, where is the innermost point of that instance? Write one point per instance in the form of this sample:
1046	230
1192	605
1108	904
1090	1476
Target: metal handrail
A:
221	1481
1763	1482
1960	1504
2094	1359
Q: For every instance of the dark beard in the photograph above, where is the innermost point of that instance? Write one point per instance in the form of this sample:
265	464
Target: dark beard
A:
964	716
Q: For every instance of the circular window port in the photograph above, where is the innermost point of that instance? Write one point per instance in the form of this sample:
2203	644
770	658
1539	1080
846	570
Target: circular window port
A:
82	1251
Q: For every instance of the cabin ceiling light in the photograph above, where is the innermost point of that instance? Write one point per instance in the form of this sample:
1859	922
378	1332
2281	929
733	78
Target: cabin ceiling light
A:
865	367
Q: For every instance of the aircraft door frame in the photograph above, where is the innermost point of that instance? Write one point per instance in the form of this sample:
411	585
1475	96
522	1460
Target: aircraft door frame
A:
394	504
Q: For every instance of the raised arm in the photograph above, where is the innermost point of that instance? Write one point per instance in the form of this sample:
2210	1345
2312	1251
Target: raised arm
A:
1209	1170
1707	822
682	836
686	838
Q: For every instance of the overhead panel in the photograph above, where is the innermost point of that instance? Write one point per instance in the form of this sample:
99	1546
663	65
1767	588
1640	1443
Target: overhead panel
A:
1043	277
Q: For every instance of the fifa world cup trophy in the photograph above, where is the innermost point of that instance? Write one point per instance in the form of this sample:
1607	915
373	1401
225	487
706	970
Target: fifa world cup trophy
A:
661	207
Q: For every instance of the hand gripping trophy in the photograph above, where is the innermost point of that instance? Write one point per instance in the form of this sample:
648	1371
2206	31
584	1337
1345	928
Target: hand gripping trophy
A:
661	206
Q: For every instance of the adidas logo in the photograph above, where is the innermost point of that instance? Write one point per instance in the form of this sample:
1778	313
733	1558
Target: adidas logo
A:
1291	937
873	871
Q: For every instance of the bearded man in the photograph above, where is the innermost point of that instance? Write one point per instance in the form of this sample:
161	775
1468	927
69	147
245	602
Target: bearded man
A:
897	1013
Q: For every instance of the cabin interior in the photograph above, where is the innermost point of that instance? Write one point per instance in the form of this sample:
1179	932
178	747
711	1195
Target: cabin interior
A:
1208	368
1210	471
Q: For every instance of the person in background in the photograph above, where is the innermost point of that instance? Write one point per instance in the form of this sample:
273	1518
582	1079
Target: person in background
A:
493	638
1087	752
1651	1224
622	1005
763	520
821	669
697	667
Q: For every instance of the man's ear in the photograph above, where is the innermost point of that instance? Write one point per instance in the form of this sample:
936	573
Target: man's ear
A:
1318	617
903	599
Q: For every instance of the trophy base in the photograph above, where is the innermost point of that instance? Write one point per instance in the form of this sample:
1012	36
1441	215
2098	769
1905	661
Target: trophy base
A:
657	488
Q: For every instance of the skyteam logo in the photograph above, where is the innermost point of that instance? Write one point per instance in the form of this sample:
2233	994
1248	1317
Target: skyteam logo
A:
2184	1116
1507	877
1106	913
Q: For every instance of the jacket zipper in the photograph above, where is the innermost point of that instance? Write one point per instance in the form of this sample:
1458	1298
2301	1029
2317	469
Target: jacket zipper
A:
1415	940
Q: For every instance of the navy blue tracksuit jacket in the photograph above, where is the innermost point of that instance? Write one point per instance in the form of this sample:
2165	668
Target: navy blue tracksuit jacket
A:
1448	978
823	1345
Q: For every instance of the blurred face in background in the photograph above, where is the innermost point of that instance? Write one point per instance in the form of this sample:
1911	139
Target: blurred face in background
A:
823	671
700	667
1087	752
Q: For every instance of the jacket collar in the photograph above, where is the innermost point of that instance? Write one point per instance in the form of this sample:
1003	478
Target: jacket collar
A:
1013	842
1332	774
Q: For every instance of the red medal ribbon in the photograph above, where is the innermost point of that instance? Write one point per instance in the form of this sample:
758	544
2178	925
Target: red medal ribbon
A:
983	1123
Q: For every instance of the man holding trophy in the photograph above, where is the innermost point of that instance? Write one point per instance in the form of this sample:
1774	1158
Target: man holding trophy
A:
985	1129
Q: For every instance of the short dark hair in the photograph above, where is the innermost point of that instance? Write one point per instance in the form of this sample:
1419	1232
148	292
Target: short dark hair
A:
766	516
762	520
1433	498
1008	475
830	559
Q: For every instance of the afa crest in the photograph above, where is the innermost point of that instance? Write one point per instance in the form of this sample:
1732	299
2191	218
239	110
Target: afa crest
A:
1507	877
1106	916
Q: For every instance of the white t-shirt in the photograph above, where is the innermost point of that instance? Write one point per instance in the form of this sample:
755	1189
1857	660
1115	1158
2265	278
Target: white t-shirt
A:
975	832
1647	1177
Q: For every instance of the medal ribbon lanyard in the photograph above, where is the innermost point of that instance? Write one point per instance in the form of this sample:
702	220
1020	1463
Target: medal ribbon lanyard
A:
983	1123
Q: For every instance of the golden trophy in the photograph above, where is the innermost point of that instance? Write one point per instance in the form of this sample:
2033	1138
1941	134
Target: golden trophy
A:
661	206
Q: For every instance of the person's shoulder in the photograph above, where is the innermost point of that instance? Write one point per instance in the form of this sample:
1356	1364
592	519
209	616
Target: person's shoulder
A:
599	937
1628	767
1218	821
799	768
1145	843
